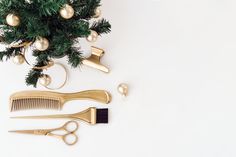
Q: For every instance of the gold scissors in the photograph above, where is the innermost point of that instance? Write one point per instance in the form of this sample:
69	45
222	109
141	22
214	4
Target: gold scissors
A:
69	138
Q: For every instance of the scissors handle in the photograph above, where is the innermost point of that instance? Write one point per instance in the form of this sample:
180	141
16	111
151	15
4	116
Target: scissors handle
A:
70	139
70	126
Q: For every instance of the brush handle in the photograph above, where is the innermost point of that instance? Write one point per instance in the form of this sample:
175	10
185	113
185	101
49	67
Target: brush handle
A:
89	115
96	95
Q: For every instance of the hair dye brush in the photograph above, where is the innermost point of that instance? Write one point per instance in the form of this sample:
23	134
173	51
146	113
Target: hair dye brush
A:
91	115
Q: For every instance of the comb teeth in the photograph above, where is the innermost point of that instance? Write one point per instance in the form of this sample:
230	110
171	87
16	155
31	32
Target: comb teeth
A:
35	103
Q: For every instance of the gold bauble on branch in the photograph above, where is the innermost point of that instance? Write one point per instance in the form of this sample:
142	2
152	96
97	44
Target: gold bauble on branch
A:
45	80
93	36
98	13
67	11
41	44
12	20
18	59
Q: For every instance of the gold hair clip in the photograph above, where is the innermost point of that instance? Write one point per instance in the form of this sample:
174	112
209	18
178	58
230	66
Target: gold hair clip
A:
94	60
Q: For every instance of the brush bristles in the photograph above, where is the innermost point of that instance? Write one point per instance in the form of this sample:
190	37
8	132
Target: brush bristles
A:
102	116
35	103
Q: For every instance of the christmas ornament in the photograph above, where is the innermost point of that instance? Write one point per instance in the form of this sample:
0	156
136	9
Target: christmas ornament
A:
45	80
98	13
18	59
12	20
93	36
41	44
123	89
67	11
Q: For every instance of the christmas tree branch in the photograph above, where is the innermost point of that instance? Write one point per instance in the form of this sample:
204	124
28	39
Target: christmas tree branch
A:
32	77
101	26
74	58
8	53
42	18
85	9
34	74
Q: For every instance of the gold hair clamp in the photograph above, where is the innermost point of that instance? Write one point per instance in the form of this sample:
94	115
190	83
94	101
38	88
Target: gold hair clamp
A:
94	60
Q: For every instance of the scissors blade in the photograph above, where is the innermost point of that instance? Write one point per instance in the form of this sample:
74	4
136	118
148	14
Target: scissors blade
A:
32	132
23	131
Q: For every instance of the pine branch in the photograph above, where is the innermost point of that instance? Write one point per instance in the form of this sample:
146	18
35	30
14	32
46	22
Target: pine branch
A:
85	9
49	8
8	53
74	58
34	74
102	26
42	18
32	77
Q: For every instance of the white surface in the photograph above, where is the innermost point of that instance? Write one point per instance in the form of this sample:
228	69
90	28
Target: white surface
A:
178	58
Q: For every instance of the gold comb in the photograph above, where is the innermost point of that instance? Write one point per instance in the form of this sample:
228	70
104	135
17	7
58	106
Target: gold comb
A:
53	100
94	60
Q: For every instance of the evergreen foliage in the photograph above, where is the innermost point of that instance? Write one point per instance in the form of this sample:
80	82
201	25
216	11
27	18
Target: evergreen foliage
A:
42	18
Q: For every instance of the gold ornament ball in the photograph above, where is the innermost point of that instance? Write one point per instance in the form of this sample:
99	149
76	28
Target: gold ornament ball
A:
13	20
93	36
18	59
67	11
41	44
45	80
98	13
123	89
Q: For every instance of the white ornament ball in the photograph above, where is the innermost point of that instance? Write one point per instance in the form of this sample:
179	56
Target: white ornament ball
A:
67	11
93	36
18	59
41	44
45	80
12	20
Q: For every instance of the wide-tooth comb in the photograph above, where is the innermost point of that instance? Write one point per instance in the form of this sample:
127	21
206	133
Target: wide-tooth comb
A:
52	100
34	103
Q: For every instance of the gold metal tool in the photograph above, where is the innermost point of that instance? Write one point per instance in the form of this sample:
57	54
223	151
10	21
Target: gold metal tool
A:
53	100
91	115
94	60
69	138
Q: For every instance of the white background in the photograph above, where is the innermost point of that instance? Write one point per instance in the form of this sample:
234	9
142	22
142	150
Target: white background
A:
178	58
